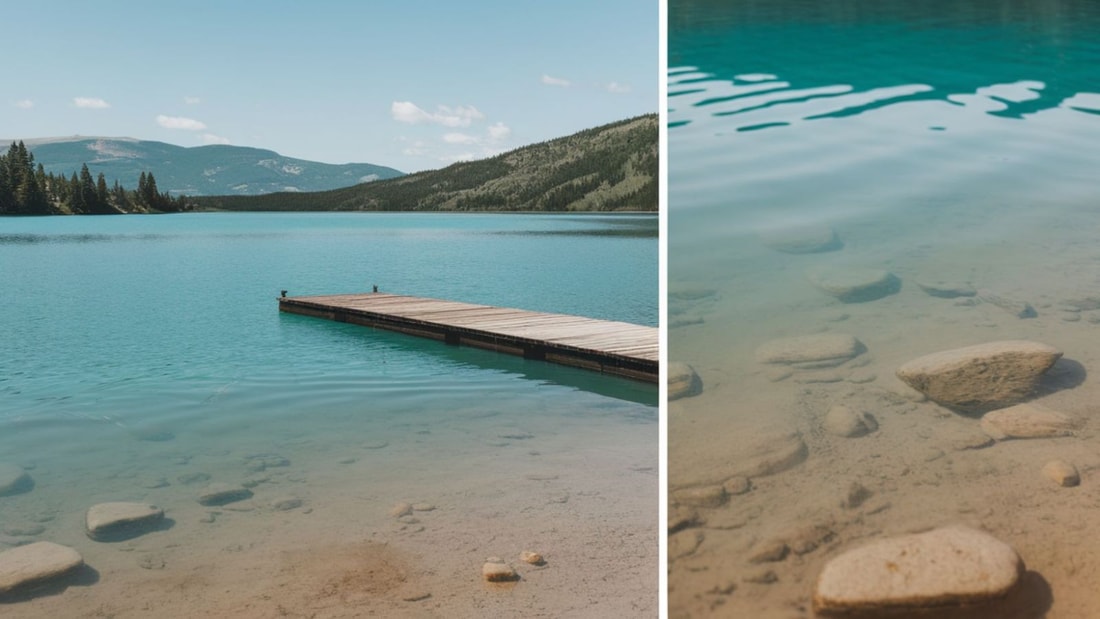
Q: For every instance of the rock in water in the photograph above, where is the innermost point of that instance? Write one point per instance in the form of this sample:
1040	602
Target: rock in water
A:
802	239
820	350
13	479
118	521
854	285
1028	421
682	381
982	377
35	563
1062	473
220	494
944	567
945	289
843	421
1019	309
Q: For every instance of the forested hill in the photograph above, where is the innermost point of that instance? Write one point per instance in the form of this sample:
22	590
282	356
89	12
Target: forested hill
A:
215	169
608	168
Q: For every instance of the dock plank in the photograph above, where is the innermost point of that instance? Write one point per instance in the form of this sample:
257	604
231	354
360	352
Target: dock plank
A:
619	348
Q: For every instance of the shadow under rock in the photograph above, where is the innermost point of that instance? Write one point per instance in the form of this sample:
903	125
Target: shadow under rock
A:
130	531
1064	374
83	576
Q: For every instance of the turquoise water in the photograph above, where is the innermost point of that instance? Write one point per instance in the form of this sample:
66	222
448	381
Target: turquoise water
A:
950	141
136	347
147	318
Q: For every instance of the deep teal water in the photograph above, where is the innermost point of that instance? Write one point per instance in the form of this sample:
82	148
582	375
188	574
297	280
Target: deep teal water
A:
882	105
170	322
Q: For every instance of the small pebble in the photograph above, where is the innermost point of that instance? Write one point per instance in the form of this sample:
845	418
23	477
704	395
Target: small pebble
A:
416	596
401	509
533	558
497	571
1062	473
286	503
766	577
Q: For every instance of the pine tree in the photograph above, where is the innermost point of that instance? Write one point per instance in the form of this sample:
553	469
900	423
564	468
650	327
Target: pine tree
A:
101	195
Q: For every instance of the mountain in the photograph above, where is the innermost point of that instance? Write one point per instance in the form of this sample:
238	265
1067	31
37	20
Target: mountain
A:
200	170
608	168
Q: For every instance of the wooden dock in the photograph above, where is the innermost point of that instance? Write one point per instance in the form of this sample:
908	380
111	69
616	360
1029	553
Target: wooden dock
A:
618	348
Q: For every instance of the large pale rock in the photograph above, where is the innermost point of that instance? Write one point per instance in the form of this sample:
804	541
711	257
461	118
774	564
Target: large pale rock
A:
805	239
1028	421
13	479
944	567
118	521
982	377
35	563
853	284
816	350
682	381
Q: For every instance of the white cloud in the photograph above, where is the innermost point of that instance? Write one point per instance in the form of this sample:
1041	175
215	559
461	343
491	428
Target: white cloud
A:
210	138
617	88
179	122
458	138
92	103
24	104
499	131
409	112
192	100
555	81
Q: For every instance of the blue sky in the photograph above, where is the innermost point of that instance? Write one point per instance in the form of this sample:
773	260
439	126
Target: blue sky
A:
407	84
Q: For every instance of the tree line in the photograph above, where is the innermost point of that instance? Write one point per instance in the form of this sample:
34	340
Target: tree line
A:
26	189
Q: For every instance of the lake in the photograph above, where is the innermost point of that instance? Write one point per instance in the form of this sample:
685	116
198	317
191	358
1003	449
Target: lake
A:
144	358
914	177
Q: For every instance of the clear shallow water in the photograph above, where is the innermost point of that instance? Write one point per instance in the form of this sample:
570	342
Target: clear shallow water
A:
939	140
144	356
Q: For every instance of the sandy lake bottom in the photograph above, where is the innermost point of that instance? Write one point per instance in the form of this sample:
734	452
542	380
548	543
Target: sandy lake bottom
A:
759	430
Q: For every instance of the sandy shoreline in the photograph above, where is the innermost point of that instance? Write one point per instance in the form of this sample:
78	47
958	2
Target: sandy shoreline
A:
580	490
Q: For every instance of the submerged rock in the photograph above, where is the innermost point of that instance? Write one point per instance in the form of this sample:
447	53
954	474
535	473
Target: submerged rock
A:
1016	307
854	285
702	496
1028	421
946	289
35	563
1062	473
944	567
219	493
805	239
682	381
816	350
982	377
843	421
13	479
118	521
